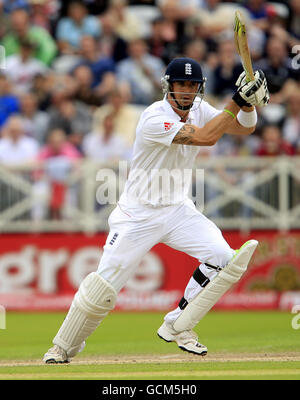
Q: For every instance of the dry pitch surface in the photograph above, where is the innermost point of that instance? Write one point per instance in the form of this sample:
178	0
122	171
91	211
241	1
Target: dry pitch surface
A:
164	359
160	367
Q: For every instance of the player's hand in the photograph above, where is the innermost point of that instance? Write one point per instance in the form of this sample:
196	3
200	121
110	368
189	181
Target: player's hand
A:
241	81
254	93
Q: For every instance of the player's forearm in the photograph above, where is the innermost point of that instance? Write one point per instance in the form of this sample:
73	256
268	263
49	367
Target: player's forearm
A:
244	123
240	122
218	126
211	132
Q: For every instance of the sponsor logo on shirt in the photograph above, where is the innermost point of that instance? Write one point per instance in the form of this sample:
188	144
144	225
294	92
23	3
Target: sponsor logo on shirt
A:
168	125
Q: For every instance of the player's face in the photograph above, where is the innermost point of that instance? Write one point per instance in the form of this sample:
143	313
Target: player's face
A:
185	91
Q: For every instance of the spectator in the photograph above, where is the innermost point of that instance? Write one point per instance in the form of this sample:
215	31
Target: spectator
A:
21	68
125	116
273	144
126	25
277	68
141	73
57	146
237	145
15	147
297	152
227	71
45	46
60	86
84	93
291	125
4	21
42	89
196	49
287	28
215	22
258	10
36	122
78	23
11	5
42	12
177	10
163	41
111	44
72	117
294	25
102	67
106	145
9	102
215	17
210	5
51	189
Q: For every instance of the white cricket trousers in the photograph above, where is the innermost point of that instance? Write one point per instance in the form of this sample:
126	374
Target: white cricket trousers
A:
133	232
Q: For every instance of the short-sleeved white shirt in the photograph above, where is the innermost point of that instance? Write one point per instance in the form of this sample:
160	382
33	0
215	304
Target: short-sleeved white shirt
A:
160	171
22	151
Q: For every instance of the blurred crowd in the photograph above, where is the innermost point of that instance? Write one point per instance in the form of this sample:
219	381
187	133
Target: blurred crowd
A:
76	75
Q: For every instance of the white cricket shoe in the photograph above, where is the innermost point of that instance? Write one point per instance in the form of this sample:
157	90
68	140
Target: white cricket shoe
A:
56	355
186	340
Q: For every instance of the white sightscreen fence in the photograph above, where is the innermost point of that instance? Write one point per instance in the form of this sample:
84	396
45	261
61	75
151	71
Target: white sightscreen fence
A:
236	193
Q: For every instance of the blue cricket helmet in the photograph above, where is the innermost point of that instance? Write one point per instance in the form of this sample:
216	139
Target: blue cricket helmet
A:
183	69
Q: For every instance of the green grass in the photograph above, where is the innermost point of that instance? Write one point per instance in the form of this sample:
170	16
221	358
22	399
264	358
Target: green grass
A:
152	371
28	336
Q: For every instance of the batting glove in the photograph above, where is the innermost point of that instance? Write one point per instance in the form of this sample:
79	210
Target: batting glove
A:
241	79
255	92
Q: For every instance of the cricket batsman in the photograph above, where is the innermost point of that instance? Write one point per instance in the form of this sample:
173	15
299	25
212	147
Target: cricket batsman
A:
168	137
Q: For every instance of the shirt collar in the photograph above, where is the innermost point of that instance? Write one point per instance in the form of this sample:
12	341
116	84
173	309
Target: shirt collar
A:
168	108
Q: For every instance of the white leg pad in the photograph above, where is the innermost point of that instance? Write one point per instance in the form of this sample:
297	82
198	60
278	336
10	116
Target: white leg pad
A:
208	297
92	302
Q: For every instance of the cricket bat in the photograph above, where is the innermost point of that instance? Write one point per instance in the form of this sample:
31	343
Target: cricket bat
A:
241	44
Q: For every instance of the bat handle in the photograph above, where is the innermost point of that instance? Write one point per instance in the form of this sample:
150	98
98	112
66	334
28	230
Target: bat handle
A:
251	76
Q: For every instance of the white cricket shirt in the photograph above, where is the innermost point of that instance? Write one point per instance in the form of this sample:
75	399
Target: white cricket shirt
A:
161	171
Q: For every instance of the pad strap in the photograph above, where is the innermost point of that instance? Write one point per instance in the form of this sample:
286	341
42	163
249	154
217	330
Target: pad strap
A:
200	278
216	267
183	303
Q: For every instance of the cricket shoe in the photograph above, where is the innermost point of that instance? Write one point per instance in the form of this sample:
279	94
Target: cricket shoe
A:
56	355
186	340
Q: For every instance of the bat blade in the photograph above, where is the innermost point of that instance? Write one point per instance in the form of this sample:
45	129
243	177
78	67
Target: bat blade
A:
241	44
